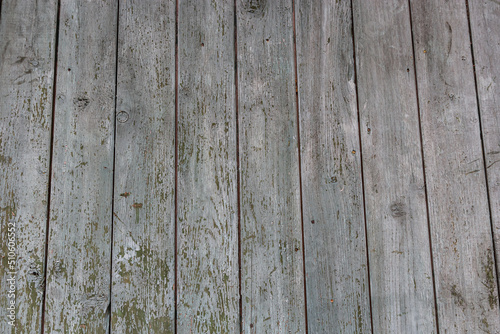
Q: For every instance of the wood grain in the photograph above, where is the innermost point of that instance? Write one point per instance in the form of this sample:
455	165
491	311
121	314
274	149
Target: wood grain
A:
27	50
400	166
271	237
466	282
143	278
79	250
334	227
397	227
208	298
485	30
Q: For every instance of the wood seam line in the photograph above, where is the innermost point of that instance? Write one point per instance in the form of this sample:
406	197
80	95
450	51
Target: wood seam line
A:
361	164
176	158
299	161
108	310
49	185
436	315
238	185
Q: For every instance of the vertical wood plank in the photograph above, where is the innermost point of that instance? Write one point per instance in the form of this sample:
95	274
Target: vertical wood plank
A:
397	227
466	285
334	228
27	50
485	29
79	257
208	298
271	236
144	223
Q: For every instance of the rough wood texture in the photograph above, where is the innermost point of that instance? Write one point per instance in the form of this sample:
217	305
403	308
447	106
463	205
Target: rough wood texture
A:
418	146
79	250
27	49
398	240
271	238
485	26
466	285
334	233
208	298
144	223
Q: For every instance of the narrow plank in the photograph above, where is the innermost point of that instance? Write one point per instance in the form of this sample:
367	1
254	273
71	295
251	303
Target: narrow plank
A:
397	227
208	298
466	287
485	29
27	51
334	233
271	235
79	249
143	278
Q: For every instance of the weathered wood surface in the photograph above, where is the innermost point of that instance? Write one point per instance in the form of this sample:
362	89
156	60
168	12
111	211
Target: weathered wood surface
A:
208	286
485	30
397	228
271	236
79	249
143	296
27	49
466	286
411	157
334	228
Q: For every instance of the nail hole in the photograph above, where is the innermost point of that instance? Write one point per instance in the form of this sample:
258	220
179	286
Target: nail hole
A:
122	116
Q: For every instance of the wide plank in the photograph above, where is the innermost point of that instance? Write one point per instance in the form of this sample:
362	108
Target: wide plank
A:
27	51
271	234
207	240
466	282
143	279
485	30
397	226
338	298
79	249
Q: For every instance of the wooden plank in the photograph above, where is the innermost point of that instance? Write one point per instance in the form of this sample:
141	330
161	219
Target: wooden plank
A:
79	249
143	298
334	229
466	286
397	227
271	234
208	298
485	29
27	50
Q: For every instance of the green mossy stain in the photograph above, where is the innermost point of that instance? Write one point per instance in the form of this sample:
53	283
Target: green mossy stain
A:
129	310
137	207
486	325
490	283
359	320
5	160
459	299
